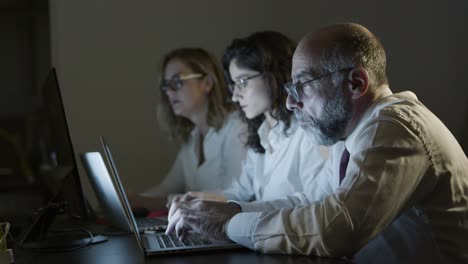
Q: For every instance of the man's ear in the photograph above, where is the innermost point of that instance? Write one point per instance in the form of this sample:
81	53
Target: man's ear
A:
359	80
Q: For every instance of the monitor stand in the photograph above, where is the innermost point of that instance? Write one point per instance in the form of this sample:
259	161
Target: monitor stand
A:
40	236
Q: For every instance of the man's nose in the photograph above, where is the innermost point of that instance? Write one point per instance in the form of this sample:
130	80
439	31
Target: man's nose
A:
292	104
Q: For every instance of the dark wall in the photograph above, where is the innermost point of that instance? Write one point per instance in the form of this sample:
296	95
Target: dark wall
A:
108	62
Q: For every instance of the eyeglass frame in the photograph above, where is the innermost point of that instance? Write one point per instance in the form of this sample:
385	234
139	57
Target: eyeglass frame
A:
292	89
179	79
242	82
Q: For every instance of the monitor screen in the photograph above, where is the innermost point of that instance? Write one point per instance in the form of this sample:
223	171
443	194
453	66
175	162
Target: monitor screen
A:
58	171
38	165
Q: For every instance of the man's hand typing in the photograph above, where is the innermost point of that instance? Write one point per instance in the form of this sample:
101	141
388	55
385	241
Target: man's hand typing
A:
204	217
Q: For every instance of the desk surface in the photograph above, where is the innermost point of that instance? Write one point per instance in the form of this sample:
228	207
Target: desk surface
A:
124	249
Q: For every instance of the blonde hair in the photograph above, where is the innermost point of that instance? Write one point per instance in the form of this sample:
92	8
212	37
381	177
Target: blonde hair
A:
199	61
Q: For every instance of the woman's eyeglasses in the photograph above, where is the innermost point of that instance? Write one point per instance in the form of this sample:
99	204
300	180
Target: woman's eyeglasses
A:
176	83
242	83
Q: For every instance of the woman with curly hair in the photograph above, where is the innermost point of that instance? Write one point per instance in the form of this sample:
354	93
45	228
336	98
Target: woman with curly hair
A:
280	159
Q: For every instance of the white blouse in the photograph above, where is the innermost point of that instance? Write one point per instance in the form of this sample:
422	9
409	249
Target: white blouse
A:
224	151
290	161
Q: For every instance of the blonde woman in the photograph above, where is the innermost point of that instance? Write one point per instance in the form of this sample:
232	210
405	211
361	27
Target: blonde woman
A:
195	109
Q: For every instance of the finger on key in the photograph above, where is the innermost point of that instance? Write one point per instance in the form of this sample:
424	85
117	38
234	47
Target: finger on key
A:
172	223
174	207
180	230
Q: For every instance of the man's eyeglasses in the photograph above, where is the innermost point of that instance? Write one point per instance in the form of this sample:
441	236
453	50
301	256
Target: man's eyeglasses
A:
176	83
242	83
295	89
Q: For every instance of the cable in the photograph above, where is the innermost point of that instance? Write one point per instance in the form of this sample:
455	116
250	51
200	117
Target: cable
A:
37	247
4	233
116	233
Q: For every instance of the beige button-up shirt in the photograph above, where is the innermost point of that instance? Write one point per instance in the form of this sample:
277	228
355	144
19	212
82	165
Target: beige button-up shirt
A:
402	157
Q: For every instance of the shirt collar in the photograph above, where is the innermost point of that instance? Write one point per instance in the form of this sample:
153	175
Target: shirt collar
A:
375	107
271	137
195	134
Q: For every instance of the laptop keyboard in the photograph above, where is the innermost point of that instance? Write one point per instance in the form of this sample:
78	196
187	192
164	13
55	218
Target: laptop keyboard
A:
148	224
171	241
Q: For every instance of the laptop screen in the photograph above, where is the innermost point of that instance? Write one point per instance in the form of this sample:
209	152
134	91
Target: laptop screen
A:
121	191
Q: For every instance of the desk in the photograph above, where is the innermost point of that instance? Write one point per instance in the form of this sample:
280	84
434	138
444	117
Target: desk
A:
124	250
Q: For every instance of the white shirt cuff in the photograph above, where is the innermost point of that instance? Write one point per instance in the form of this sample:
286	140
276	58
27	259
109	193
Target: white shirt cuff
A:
240	228
255	206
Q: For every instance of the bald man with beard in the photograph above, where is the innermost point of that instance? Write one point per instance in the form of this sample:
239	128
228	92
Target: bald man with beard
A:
396	181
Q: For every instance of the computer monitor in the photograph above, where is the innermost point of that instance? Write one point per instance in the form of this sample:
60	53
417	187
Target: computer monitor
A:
57	172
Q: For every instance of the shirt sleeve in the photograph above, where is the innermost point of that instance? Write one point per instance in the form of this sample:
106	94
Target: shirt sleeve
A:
174	182
234	151
386	166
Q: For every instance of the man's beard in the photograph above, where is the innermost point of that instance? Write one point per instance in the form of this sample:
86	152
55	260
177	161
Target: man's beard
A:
330	127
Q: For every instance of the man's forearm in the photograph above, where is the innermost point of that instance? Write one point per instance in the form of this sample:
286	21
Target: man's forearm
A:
295	200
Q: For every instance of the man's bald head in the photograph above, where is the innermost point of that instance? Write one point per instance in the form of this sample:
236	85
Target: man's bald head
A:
342	46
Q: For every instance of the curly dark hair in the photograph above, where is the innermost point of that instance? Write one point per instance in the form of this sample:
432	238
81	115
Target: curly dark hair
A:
269	52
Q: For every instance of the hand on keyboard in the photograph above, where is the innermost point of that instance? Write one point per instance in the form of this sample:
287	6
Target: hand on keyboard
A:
204	217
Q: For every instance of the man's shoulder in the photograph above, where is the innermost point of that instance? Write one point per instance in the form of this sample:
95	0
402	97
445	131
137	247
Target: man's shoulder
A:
394	103
400	107
401	114
402	110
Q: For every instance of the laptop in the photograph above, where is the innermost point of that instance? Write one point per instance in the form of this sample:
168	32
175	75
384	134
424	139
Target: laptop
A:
110	200
150	242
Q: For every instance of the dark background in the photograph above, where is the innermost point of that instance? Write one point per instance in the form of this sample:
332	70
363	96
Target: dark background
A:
107	56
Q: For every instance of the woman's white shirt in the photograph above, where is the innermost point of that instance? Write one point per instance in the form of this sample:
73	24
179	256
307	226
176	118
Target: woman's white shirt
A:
224	151
289	163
